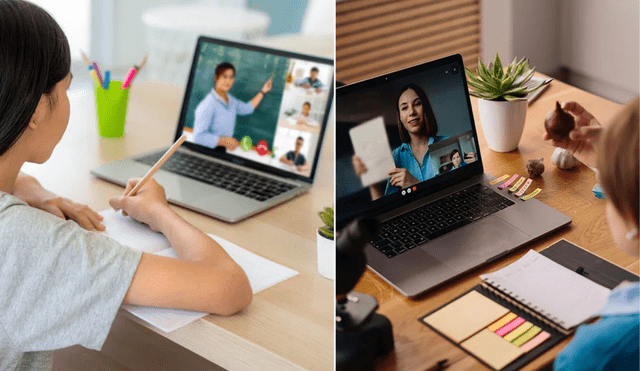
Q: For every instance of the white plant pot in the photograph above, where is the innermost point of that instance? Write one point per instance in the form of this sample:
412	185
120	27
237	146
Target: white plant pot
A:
326	257
502	123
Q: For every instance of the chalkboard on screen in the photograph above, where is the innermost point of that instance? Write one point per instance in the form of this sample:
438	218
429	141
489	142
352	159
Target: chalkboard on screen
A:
253	69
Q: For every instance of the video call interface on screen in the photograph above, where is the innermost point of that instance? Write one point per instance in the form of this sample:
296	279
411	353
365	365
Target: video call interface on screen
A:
262	107
430	107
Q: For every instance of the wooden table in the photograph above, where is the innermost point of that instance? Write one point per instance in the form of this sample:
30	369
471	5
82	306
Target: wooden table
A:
569	191
287	327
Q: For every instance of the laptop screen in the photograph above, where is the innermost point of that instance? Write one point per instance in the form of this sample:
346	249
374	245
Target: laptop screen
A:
403	135
257	106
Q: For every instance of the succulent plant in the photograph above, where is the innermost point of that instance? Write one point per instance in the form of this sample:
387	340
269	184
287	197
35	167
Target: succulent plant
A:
496	83
327	218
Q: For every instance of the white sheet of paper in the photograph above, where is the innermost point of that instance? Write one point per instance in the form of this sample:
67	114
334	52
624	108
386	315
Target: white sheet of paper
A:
371	144
262	273
563	296
131	233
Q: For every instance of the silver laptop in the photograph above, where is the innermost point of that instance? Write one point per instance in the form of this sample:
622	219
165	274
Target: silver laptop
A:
275	145
452	220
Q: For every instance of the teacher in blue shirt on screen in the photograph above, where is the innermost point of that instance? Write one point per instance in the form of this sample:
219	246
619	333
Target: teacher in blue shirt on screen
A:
215	116
417	127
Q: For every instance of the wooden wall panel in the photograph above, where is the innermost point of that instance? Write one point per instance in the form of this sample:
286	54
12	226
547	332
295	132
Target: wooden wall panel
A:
374	37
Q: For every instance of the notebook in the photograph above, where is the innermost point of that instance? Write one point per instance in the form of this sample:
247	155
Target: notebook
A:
529	306
288	123
451	219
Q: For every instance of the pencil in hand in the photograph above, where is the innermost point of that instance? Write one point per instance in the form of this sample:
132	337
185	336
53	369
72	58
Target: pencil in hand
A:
157	166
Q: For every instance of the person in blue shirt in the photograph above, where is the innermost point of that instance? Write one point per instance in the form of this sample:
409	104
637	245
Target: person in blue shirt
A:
215	116
311	82
417	127
456	160
295	158
612	342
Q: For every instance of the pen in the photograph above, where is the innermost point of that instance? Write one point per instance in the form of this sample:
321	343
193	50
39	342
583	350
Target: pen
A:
93	74
157	166
95	68
107	78
127	81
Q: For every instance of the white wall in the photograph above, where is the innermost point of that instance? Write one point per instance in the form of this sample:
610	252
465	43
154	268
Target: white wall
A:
595	41
600	44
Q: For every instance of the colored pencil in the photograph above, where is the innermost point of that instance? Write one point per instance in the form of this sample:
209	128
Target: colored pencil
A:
95	68
157	166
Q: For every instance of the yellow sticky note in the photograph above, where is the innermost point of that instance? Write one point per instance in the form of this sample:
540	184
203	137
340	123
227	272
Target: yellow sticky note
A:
502	321
518	331
466	316
492	349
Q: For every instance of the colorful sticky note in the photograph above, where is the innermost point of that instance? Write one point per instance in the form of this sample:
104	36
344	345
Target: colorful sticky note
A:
502	321
539	339
466	316
530	333
492	349
510	326
518	331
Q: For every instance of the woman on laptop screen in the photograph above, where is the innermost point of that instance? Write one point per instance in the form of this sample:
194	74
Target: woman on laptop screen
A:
417	127
215	116
456	160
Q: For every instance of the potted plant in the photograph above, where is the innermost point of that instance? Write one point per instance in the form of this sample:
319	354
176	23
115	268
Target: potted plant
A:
326	245
502	102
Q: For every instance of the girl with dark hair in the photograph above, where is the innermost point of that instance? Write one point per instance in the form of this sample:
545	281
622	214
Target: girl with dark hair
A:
611	343
456	159
215	116
62	283
417	127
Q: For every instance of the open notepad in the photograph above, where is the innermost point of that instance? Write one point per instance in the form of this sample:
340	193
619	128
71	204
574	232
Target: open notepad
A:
562	296
262	273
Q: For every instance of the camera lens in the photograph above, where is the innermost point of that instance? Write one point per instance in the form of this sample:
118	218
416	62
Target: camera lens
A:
454	70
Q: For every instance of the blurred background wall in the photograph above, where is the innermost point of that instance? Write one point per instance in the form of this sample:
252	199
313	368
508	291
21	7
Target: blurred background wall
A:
591	44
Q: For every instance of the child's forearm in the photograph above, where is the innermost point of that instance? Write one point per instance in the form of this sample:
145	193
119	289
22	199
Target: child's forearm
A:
188	241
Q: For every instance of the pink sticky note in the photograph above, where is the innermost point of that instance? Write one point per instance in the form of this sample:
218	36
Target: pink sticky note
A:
510	326
508	182
535	341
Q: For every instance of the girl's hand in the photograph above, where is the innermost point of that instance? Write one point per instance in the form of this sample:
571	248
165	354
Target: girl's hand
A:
402	178
148	206
583	138
67	209
29	190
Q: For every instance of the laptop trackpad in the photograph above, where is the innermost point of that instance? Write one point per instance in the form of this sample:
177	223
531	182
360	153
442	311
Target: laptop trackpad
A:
476	242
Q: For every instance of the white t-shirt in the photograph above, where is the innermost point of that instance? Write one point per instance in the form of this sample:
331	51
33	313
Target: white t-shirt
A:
60	285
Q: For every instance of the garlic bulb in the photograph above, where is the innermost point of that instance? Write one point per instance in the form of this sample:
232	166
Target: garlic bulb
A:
563	159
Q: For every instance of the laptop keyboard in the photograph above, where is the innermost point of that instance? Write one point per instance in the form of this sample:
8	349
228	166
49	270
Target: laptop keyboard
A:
405	232
226	177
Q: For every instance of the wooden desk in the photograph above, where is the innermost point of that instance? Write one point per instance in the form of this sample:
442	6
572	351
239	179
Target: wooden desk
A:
569	191
287	327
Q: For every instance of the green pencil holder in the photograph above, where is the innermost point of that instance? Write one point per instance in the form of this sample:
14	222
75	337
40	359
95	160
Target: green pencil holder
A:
111	109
